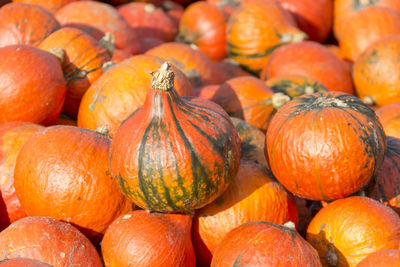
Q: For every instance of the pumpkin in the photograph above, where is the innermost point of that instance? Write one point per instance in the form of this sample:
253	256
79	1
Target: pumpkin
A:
119	55
82	63
389	116
121	90
366	27
195	64
174	11
253	195
12	136
255	30
263	243
22	23
65	120
311	60
50	5
148	43
100	18
204	25
325	146
174	153
139	238
23	262
385	187
387	258
48	240
348	230
72	182
229	69
339	53
148	21
32	85
376	73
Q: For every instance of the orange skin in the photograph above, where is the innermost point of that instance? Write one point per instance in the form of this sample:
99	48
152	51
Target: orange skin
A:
352	228
140	238
81	53
23	262
204	24
229	70
50	5
387	258
22	23
48	240
311	60
255	30
195	64
336	50
253	195
263	243
32	86
122	90
102	17
149	21
119	55
12	136
366	27
64	120
82	192
325	146
389	116
376	72
173	9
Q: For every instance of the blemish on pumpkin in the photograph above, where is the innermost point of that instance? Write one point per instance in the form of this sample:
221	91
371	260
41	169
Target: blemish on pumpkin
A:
126	217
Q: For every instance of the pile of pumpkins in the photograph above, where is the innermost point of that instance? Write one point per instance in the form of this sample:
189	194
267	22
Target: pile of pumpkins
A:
209	133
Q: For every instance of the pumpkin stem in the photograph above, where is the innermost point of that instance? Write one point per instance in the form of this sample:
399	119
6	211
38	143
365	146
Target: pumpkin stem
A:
103	130
107	65
58	53
290	225
368	101
149	8
163	78
279	99
108	43
293	37
331	257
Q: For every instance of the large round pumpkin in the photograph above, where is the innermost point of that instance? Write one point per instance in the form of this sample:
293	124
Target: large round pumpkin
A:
262	243
121	90
32	85
253	195
63	172
174	153
325	146
387	258
389	116
348	230
82	63
22	23
48	240
140	238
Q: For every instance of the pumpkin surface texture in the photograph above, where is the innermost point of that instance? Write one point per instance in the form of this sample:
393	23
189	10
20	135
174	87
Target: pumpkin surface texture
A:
389	116
387	258
23	262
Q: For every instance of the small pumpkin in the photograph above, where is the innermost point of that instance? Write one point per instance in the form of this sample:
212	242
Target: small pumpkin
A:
23	262
174	153
348	230
386	257
263	243
140	238
389	116
50	5
253	195
325	146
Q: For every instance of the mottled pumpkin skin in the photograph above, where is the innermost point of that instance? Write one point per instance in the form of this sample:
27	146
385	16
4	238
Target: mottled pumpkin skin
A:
351	229
263	243
175	153
376	72
311	60
140	238
325	146
12	137
82	64
122	90
23	262
366	27
22	23
50	5
255	30
387	258
253	195
389	116
204	24
48	240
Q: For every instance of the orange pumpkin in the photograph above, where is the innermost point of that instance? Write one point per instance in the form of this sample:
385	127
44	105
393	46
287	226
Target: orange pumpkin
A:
325	146
12	136
22	23
311	60
348	230
72	182
23	262
389	116
376	73
65	120
119	55
98	19
262	243
253	195
366	27
48	240
173	9
229	69
121	90
255	30
387	258
140	238
32	85
51	5
82	63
